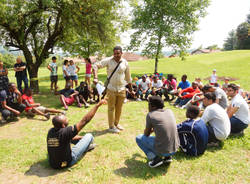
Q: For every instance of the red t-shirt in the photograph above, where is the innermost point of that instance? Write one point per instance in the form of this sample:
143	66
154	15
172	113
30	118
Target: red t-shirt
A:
29	99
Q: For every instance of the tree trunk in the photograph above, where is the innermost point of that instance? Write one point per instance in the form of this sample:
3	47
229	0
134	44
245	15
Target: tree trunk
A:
156	64
158	52
33	73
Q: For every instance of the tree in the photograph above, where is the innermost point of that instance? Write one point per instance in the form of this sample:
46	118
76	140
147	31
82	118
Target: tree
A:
165	23
231	42
37	27
243	36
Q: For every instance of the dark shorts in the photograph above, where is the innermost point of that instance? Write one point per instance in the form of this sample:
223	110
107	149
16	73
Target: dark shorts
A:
54	78
74	77
67	78
211	135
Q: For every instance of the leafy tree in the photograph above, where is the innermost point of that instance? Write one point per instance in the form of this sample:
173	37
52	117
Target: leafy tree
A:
165	23
231	42
37	27
243	36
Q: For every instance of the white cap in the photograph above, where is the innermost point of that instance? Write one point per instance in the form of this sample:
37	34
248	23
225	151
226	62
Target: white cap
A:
214	70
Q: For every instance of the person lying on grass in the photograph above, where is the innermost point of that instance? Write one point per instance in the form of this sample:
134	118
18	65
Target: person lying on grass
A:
164	144
33	108
61	135
68	96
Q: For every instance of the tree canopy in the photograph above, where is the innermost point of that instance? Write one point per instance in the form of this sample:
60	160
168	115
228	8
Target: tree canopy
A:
37	27
165	23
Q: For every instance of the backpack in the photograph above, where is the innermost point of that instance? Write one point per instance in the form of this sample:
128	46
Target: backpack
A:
193	137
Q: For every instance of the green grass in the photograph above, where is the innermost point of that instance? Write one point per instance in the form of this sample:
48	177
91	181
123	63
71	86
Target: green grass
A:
117	159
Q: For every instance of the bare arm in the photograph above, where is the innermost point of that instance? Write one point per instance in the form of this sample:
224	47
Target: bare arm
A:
231	111
148	131
5	106
49	68
78	69
89	115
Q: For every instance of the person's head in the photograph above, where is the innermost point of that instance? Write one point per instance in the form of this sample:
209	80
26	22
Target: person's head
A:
198	79
135	79
60	121
209	98
232	90
95	81
214	71
207	88
18	60
216	84
87	60
184	78
192	112
65	62
71	62
83	84
154	103
28	91
155	78
68	85
226	80
194	85
163	78
54	59
170	77
117	53
143	78
12	87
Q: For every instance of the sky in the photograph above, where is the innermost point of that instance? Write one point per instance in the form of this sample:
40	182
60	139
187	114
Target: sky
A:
222	16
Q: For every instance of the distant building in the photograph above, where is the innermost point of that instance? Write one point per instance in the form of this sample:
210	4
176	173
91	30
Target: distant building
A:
204	51
133	57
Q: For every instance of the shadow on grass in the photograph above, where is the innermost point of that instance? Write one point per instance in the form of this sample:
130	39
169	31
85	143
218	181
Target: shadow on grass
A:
139	169
97	133
42	169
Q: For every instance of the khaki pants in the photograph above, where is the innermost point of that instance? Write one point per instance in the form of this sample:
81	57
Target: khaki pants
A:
115	102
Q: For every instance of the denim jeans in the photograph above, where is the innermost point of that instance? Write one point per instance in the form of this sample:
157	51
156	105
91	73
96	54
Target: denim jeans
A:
19	82
146	143
181	101
80	148
237	125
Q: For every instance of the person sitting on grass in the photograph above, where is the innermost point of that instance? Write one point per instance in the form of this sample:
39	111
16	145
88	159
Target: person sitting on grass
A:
157	86
11	102
33	108
218	124
61	135
68	96
159	148
186	95
144	87
83	93
238	111
97	90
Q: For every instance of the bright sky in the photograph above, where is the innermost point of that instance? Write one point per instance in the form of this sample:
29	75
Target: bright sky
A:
222	17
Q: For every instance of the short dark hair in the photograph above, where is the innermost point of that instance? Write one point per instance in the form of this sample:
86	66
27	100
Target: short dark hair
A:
156	101
56	121
88	59
65	62
54	58
233	86
117	48
27	89
210	96
206	87
192	111
11	84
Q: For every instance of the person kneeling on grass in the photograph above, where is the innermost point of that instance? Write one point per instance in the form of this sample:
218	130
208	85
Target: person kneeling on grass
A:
164	144
68	96
33	108
59	138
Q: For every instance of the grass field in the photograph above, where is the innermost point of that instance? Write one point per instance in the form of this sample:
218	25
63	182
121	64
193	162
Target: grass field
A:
117	159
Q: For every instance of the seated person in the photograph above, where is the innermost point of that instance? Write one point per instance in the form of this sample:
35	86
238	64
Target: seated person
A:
238	110
133	95
193	133
225	85
221	96
33	108
11	102
187	94
59	138
98	88
184	83
216	118
198	80
68	96
169	86
83	93
164	144
144	87
156	86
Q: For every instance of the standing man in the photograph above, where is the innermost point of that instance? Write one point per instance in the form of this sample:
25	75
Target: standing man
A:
238	111
21	74
53	74
116	91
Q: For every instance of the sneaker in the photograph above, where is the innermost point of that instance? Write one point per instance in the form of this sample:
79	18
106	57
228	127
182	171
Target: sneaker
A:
47	116
156	162
3	120
86	105
167	159
114	130
79	105
241	133
213	144
119	127
125	100
91	146
91	101
138	100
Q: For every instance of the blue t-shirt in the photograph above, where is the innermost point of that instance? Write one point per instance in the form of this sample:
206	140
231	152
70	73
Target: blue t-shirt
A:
184	85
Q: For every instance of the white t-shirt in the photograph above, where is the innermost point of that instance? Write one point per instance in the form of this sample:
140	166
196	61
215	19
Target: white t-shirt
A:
158	84
222	96
213	78
218	119
72	70
53	67
243	111
64	68
145	84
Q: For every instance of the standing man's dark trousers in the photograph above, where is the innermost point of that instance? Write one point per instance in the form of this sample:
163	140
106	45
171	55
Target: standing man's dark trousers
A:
19	82
6	113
